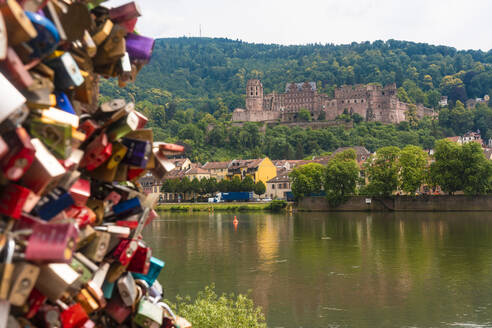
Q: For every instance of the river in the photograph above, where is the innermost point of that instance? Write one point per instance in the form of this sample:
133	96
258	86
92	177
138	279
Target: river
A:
336	269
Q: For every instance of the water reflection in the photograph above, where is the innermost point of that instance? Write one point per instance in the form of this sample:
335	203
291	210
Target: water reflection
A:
341	269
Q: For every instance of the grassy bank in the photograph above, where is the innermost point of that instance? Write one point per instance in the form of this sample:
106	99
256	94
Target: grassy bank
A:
213	207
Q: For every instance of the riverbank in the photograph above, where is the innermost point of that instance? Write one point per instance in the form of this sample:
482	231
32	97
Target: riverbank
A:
213	207
426	203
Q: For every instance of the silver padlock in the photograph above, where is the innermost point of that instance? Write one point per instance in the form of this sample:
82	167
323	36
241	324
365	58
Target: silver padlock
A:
127	289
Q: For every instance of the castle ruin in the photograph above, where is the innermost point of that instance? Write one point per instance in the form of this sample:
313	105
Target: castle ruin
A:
372	102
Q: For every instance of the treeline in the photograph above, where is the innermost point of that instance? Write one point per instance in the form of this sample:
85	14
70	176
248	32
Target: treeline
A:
194	72
210	186
193	84
391	169
211	139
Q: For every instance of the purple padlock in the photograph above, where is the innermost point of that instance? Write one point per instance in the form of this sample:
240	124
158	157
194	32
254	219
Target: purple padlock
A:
139	47
138	153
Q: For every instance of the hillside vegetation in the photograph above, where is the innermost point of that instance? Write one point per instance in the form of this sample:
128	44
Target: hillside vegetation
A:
194	82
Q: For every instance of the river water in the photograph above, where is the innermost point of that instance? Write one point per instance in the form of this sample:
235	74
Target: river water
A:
336	269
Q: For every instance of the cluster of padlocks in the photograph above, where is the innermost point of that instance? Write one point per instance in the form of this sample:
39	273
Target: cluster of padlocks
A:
72	211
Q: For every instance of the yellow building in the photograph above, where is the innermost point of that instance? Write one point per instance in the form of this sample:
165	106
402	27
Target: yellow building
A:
261	169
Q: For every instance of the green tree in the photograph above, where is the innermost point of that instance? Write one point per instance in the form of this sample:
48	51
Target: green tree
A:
224	185
170	185
382	171
235	184
433	98
447	169
209	186
341	175
304	115
247	184
477	173
260	188
307	179
195	187
412	168
208	310
184	186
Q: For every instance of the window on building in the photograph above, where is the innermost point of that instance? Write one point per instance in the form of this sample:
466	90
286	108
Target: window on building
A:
273	185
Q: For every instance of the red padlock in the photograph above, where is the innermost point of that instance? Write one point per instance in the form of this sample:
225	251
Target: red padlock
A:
74	316
52	243
140	262
82	215
125	251
34	303
13	199
97	152
88	127
21	154
80	192
117	310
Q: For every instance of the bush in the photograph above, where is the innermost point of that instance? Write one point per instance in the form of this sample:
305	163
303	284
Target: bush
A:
209	310
277	205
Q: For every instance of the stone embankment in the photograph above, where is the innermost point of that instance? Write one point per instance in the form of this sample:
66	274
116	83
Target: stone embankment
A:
401	204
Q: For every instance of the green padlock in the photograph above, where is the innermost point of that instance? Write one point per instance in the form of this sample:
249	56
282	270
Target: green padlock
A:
148	314
85	273
57	136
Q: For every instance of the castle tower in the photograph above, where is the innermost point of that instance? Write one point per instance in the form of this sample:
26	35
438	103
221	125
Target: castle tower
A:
254	95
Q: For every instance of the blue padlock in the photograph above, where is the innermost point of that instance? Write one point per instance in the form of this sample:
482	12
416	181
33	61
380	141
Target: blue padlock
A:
155	268
107	289
48	37
125	209
53	204
63	103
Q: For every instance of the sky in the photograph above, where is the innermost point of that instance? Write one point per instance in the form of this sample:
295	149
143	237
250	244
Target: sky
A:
457	23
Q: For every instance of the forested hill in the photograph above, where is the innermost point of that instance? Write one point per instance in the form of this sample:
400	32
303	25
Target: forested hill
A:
193	82
200	68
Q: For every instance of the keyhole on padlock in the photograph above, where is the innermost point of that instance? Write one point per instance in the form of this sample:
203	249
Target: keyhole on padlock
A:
25	283
20	163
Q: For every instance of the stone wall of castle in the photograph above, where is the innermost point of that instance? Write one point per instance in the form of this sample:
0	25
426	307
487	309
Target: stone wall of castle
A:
371	102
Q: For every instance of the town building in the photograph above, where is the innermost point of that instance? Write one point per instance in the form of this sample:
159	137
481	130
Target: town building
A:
372	102
279	187
198	173
467	137
260	169
217	170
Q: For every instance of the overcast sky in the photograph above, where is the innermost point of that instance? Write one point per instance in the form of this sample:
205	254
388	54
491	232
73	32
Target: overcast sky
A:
458	23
